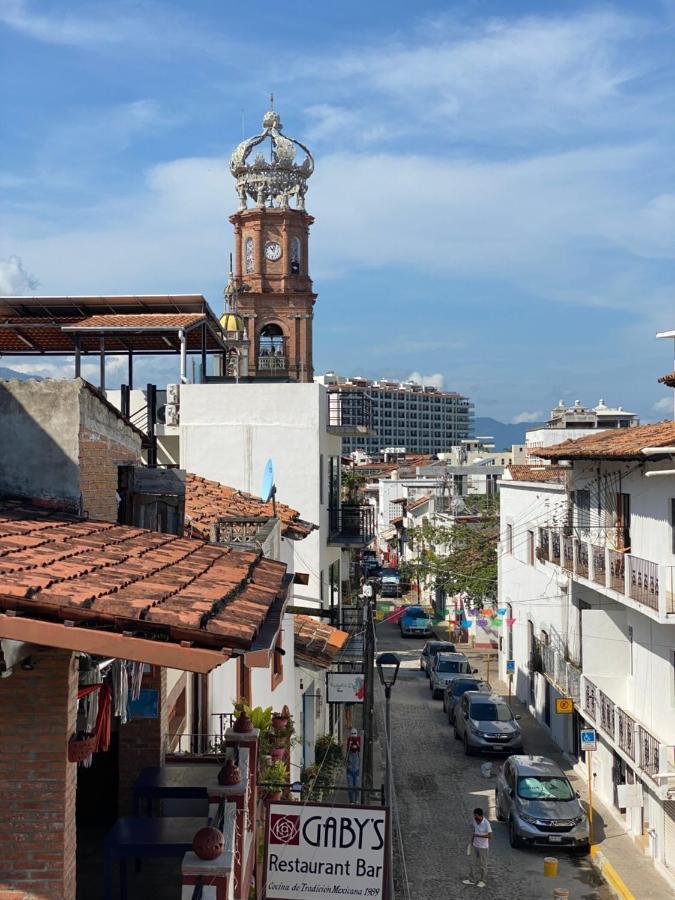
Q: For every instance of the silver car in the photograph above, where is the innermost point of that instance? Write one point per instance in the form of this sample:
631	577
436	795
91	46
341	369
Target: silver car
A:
485	723
542	808
444	669
455	690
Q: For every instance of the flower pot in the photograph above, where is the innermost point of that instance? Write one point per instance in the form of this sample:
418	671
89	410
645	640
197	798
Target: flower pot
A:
80	748
274	795
278	753
279	722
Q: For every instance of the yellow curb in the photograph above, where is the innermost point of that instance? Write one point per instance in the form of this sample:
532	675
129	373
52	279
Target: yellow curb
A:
610	874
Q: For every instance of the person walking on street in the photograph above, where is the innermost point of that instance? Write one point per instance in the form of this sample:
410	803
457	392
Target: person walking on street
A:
478	849
353	760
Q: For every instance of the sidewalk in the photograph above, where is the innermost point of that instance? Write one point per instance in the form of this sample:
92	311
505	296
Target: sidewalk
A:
633	868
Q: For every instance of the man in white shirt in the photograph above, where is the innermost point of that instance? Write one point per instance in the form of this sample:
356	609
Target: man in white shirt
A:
478	848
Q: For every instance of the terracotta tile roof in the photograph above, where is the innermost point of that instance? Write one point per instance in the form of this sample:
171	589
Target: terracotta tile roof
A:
418	501
397	521
668	380
615	443
536	473
206	501
317	642
147	320
158	588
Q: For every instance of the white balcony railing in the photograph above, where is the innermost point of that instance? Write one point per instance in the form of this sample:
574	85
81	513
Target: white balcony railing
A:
647	583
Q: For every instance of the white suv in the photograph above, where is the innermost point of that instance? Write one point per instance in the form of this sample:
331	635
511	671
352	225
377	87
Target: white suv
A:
444	669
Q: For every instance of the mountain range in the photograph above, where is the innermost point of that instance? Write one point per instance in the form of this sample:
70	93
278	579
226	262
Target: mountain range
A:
9	374
504	434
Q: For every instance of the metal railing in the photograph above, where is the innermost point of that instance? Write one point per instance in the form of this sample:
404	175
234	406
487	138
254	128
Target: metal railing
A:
582	559
626	733
543	553
599	570
606	712
590	705
643	581
555	547
351	524
617	568
649	751
350	409
568	554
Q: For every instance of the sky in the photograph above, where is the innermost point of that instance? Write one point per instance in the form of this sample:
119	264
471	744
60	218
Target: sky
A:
494	190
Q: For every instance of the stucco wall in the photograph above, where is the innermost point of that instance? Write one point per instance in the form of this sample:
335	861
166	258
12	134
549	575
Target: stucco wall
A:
39	440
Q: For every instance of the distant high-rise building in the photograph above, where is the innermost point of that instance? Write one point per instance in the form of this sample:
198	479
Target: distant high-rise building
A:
404	415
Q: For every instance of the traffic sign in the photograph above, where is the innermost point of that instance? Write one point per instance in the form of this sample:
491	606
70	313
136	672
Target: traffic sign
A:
564	705
588	739
510	666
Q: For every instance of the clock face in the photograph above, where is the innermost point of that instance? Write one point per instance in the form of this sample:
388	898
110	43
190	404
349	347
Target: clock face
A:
272	250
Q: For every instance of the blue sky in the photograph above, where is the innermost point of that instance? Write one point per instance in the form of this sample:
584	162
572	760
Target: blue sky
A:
494	192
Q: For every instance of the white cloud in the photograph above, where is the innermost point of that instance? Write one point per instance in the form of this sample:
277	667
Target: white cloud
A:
526	416
14	279
664	405
436	380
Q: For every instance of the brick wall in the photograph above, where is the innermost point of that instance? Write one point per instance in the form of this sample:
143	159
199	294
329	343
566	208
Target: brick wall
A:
37	783
142	741
98	474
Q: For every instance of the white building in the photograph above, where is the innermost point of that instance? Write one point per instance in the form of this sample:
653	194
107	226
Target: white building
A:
587	576
421	419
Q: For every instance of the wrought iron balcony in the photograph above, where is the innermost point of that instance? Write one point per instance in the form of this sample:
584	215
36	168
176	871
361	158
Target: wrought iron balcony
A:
647	583
272	363
352	525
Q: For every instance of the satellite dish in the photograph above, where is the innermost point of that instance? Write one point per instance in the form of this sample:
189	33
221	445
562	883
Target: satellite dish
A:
268	489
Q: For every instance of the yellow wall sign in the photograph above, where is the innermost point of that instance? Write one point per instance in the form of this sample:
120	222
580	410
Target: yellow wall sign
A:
564	705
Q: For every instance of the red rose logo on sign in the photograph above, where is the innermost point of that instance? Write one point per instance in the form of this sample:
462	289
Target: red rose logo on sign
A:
285	829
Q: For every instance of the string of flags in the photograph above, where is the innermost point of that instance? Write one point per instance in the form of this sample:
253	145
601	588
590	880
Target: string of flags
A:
483	617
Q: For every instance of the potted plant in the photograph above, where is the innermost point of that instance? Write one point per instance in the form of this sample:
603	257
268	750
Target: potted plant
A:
272	780
279	720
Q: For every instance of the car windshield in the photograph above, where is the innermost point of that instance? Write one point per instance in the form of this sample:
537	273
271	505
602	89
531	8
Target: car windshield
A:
416	614
545	787
449	665
490	712
460	687
434	649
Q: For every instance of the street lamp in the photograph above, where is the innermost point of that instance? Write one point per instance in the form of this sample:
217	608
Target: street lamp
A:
387	668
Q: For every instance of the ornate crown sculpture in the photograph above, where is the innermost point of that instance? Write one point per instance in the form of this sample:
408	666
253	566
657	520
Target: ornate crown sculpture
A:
276	180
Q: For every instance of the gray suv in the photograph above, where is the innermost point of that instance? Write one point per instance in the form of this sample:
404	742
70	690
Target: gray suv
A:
444	669
542	808
485	723
453	693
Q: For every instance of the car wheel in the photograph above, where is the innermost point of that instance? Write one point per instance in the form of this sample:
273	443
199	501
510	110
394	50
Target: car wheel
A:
498	815
583	849
435	694
445	706
514	840
457	737
467	749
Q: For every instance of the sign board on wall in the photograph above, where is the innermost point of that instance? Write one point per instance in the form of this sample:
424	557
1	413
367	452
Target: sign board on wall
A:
588	739
345	687
314	849
564	705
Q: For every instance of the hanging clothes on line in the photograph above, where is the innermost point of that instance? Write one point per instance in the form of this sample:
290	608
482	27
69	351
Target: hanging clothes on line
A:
136	679
119	684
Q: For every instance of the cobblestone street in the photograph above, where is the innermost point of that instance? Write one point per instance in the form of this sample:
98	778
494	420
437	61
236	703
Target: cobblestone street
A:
437	787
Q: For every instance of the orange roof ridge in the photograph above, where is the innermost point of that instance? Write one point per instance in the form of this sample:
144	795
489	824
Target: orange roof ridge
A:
206	501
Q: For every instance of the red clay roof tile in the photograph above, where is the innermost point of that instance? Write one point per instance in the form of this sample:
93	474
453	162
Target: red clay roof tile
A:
317	642
615	443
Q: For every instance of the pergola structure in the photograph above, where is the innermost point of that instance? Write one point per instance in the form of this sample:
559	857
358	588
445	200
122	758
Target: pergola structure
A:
150	325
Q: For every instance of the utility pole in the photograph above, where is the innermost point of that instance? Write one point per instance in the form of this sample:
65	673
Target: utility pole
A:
368	700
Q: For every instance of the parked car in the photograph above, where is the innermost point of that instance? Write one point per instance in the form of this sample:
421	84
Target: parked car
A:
485	723
391	583
540	805
444	669
429	651
415	622
455	690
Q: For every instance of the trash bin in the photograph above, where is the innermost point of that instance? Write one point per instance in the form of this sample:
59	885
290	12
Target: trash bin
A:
550	866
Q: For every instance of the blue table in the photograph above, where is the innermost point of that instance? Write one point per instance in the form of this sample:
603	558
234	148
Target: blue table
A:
178	782
145	838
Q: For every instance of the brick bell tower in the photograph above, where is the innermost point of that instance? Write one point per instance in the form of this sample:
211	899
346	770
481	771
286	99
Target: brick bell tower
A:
271	238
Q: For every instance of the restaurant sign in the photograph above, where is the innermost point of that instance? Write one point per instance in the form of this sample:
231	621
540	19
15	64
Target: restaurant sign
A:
345	687
315	849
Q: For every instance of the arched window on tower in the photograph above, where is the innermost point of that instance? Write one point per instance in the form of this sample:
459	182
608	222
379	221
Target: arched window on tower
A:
272	348
295	256
249	254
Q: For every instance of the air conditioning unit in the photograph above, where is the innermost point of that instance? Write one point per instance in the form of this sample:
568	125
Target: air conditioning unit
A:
173	394
171	414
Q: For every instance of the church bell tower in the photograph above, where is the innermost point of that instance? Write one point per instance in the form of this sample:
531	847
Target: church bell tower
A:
271	239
